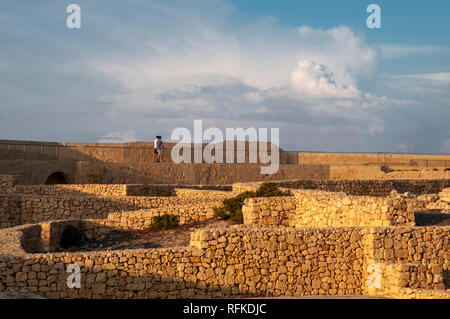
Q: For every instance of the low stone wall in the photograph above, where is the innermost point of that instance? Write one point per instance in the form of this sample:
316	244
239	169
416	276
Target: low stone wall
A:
200	193
267	263
141	219
237	262
118	190
7	183
310	208
18	209
269	212
445	194
359	187
415	276
174	190
427	202
427	247
408	281
325	209
102	190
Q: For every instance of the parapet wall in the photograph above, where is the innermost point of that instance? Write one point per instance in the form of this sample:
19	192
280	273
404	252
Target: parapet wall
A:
423	160
239	262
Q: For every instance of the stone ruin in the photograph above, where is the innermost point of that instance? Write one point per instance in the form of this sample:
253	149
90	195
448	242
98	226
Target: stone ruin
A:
330	238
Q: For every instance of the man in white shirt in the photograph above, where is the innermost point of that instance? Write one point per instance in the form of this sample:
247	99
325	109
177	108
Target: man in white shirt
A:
157	150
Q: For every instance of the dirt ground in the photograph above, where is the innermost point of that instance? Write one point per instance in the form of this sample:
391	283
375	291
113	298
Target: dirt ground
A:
432	217
180	236
176	237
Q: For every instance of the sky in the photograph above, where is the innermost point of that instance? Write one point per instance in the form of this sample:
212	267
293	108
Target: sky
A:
313	69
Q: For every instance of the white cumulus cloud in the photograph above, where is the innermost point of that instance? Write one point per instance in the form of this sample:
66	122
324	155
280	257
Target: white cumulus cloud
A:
317	80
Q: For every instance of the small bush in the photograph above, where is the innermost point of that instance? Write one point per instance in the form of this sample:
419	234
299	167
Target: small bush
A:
435	169
447	169
232	207
165	221
236	202
221	213
71	236
269	190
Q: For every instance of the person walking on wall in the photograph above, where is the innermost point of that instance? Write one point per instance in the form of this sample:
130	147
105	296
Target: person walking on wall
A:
157	151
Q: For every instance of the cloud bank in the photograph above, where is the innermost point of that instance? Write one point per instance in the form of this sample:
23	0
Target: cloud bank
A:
123	79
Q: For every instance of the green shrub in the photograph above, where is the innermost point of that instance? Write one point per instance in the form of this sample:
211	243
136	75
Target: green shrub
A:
269	190
221	213
435	169
237	217
447	169
165	221
232	207
71	236
236	202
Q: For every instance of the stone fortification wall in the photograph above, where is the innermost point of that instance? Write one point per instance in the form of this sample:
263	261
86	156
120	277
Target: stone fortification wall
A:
417	160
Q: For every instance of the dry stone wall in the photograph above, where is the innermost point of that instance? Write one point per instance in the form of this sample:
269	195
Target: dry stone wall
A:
141	219
218	264
325	209
175	190
269	211
418	257
445	194
102	190
239	261
359	187
17	209
309	208
7	183
118	190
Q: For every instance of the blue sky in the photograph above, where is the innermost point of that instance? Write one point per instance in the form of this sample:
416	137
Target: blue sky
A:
139	68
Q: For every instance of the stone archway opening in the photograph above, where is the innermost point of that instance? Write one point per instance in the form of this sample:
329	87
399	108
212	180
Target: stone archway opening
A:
57	178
